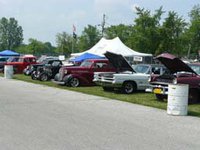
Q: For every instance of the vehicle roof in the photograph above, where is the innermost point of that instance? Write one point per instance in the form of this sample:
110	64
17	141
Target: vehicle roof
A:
27	56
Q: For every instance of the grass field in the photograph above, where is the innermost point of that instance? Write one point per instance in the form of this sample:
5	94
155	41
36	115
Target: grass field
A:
141	98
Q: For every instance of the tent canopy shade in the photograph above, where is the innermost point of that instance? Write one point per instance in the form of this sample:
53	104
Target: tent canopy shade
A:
114	45
9	53
86	56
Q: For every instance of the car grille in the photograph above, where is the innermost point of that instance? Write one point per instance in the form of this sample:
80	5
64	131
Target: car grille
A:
61	74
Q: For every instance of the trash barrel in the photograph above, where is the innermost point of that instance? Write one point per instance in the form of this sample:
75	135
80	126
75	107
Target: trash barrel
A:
177	102
8	71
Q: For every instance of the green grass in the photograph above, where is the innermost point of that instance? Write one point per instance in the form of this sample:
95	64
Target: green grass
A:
146	99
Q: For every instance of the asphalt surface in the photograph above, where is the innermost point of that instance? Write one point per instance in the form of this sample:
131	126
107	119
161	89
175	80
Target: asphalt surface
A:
36	117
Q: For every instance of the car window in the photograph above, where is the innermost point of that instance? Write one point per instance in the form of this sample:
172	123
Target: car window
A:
13	59
141	68
86	64
56	63
100	65
156	70
26	60
196	68
32	59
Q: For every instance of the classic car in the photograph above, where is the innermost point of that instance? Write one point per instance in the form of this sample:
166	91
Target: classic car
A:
127	79
30	68
82	75
47	71
180	73
20	63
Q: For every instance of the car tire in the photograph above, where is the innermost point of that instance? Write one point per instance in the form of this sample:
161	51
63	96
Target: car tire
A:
33	77
43	77
193	96
129	87
160	97
74	82
108	88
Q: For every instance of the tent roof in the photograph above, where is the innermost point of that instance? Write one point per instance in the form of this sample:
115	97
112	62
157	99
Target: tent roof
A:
9	53
114	45
86	56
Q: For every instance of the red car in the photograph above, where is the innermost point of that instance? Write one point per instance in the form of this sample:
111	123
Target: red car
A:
82	75
179	72
22	62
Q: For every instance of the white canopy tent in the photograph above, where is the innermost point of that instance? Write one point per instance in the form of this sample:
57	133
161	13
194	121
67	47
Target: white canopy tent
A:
113	45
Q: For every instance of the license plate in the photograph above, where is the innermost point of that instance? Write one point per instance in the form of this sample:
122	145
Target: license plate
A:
157	91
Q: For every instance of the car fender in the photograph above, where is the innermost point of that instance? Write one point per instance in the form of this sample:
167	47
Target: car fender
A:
81	78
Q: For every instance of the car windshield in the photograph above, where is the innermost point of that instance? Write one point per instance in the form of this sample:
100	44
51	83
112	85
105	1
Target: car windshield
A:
13	59
141	68
196	68
86	64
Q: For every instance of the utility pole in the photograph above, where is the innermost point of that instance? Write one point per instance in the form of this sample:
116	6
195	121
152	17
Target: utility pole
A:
103	24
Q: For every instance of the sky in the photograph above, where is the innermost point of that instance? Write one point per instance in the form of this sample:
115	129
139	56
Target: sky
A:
44	19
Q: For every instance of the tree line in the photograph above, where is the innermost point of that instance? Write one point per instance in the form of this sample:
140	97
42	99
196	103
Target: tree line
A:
149	33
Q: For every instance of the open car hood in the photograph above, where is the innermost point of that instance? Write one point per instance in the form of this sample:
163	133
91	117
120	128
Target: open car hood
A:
119	62
173	63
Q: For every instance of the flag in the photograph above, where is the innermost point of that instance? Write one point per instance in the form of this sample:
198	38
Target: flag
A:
74	32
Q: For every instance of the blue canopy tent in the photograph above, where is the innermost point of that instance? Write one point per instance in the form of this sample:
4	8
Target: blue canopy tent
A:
9	53
86	56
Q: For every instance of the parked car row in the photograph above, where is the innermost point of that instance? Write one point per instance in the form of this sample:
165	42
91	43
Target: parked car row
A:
115	73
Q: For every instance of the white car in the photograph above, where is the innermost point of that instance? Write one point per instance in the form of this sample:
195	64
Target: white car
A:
126	78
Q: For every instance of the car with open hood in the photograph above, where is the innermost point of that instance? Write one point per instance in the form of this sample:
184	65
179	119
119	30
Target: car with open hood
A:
126	78
179	73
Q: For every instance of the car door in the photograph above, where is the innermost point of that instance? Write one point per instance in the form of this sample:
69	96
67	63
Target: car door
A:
55	67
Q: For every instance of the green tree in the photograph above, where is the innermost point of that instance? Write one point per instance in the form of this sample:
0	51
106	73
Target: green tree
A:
90	36
194	30
49	49
122	31
35	47
172	33
11	34
146	31
64	43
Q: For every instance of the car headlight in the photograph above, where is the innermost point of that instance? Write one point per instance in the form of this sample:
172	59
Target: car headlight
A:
149	79
65	72
174	81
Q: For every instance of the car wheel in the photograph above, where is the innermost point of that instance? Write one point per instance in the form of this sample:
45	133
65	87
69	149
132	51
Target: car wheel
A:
193	96
33	76
74	82
108	88
160	97
129	87
43	77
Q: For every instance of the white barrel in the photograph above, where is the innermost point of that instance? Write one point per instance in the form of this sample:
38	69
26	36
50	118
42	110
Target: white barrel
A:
8	71
177	102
